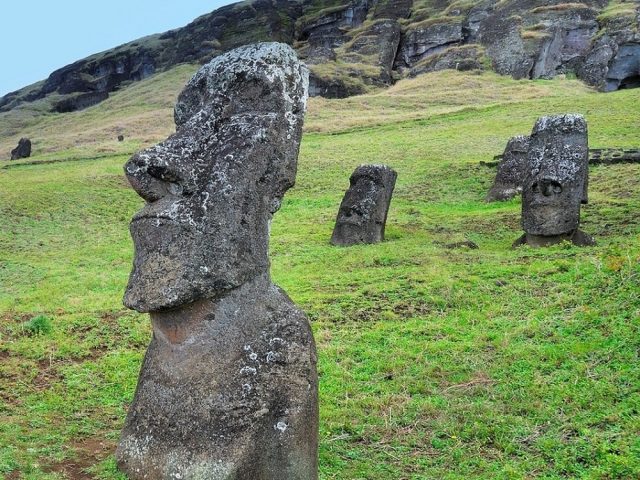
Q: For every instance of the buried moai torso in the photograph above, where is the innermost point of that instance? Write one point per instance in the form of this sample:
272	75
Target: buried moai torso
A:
363	211
511	170
556	181
23	150
228	387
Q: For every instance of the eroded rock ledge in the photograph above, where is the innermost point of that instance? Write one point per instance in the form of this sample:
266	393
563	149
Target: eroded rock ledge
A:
354	45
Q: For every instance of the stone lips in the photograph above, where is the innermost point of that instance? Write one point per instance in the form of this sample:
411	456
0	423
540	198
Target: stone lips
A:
556	177
363	211
212	187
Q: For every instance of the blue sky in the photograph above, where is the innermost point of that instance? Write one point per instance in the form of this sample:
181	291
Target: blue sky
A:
40	36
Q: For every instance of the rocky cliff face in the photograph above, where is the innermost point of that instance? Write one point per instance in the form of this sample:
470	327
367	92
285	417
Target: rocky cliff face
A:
353	45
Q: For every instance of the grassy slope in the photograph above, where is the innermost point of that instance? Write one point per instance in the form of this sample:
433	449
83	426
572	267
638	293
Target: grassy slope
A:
434	363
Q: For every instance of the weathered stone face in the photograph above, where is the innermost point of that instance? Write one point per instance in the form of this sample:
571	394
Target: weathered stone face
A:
228	389
511	170
363	211
557	172
212	187
23	150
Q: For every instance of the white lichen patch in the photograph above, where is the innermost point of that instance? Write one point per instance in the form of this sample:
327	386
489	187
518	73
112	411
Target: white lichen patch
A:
281	426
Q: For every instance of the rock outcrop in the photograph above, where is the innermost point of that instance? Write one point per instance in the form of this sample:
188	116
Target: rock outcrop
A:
556	182
23	150
228	388
354	45
362	216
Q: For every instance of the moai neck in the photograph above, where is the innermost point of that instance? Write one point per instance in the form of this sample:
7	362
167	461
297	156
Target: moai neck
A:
183	324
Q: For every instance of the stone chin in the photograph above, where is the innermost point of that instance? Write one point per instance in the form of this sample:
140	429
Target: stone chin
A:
175	266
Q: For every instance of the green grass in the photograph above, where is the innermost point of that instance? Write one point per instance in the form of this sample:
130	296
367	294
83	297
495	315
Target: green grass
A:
434	363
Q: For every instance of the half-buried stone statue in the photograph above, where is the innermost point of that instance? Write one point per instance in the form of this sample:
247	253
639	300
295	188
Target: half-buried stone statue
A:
228	387
363	212
511	170
556	182
23	150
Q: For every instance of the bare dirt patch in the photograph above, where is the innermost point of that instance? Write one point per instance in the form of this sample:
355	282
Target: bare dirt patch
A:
83	454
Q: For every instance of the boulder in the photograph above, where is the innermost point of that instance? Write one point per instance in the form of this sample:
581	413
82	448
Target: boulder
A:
228	388
23	150
511	170
624	68
363	212
556	182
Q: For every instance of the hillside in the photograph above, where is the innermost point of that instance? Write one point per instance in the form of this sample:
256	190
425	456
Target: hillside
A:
433	362
354	46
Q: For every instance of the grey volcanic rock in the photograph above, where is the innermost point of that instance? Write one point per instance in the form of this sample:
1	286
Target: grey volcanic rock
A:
363	212
380	40
423	41
228	388
521	38
624	69
23	150
80	102
511	170
462	58
556	181
610	156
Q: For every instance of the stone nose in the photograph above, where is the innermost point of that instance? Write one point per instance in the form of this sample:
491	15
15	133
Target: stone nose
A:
151	179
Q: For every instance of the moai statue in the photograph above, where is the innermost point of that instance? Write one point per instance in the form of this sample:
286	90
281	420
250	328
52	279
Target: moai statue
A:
511	170
23	150
363	212
228	388
556	182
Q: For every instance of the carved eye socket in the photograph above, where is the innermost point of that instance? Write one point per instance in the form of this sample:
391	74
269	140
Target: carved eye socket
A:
535	188
557	189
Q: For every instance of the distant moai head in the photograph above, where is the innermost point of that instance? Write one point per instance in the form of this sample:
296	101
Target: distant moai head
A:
363	211
556	177
511	170
212	187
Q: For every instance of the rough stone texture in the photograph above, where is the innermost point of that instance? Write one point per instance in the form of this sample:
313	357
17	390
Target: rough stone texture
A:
421	42
556	181
80	102
521	38
23	150
228	387
363	211
624	69
381	41
511	170
463	58
613	155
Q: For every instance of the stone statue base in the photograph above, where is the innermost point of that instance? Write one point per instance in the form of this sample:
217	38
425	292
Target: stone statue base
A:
577	237
228	391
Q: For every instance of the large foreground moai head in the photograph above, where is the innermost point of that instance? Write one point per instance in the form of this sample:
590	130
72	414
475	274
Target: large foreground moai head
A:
363	212
228	389
212	187
511	170
556	179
